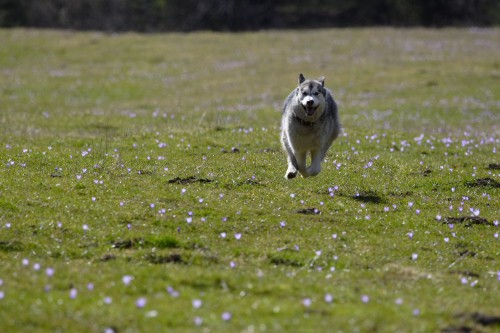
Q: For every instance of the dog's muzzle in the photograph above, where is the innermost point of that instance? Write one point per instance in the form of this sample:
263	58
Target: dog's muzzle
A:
310	108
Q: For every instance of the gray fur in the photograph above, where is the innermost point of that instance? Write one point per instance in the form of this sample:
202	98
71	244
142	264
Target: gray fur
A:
309	124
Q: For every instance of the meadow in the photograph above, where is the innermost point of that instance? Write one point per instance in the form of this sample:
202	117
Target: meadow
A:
142	183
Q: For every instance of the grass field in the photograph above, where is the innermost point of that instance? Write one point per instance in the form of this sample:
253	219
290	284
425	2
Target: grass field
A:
142	183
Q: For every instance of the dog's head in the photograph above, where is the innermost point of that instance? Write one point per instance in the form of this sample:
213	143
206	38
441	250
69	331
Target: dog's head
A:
311	95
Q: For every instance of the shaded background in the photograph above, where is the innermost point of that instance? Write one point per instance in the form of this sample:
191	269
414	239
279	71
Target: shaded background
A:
241	15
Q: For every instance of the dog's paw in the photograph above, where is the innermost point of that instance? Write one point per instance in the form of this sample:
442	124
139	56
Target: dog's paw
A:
291	172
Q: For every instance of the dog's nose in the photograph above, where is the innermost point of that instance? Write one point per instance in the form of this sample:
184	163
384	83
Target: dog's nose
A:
310	103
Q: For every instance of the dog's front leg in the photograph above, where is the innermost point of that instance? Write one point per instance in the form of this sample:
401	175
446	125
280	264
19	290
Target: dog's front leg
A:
291	172
301	163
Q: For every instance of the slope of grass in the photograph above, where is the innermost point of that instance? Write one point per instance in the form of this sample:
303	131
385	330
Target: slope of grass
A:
142	183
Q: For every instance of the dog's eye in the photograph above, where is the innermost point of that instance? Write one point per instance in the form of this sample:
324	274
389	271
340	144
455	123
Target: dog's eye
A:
316	93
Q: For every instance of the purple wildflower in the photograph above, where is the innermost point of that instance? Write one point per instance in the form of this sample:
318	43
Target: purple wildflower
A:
174	293
126	279
197	303
49	271
141	302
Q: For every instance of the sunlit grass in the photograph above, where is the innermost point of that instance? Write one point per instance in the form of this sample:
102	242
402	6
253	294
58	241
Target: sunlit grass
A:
157	158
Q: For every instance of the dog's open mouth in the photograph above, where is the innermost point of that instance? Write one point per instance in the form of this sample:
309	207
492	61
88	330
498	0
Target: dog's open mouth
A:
310	110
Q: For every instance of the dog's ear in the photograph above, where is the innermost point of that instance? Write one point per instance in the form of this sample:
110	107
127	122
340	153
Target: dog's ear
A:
301	78
322	80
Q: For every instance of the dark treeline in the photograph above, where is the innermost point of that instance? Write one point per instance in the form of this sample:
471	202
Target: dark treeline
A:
238	15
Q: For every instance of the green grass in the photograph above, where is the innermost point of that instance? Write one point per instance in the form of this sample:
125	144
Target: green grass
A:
157	157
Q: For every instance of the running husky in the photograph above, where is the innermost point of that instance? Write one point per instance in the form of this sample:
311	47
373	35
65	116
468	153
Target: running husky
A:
309	124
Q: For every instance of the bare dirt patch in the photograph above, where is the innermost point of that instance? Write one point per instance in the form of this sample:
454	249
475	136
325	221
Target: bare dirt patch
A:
483	182
467	221
189	180
309	211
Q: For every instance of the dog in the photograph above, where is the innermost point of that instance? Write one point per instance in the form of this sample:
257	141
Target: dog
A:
309	125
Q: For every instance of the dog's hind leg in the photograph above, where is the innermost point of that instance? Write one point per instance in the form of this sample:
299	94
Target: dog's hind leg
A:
317	157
